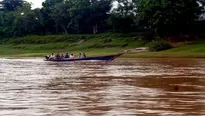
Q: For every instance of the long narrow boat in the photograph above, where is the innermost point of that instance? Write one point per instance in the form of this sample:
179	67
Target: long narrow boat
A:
103	58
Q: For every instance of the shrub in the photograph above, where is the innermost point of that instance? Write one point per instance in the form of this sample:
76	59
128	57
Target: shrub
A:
107	40
159	45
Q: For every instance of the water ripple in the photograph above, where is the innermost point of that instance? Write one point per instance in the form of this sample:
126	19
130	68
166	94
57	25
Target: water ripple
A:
32	87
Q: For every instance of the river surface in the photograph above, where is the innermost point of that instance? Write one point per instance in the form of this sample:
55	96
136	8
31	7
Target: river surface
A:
124	87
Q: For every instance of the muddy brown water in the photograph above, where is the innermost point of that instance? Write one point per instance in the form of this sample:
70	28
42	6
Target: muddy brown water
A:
124	87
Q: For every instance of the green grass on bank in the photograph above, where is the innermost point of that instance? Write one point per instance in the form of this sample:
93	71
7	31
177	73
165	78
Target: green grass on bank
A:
92	45
191	50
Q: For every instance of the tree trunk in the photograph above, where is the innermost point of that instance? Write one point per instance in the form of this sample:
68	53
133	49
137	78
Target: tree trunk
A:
78	28
57	28
65	31
95	29
14	35
46	31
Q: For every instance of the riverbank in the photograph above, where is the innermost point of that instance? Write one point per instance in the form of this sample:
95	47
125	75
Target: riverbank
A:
94	45
194	49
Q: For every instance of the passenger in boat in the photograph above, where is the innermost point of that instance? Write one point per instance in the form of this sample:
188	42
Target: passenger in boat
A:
84	56
66	56
72	56
62	57
80	55
52	56
47	57
58	56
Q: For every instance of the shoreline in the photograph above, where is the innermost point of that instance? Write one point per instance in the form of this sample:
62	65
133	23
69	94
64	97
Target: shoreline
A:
126	55
104	45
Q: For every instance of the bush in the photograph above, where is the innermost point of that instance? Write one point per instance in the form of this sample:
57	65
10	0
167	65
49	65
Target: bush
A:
159	45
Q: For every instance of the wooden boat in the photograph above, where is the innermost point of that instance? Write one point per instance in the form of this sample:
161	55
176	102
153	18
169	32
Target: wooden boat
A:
99	58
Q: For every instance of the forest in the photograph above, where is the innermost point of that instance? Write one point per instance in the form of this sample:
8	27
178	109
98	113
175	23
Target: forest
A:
57	17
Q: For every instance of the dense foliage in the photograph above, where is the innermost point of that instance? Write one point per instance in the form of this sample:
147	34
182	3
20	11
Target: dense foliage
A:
169	16
159	45
164	17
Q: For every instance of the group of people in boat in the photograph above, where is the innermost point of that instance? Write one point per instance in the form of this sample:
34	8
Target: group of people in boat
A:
64	57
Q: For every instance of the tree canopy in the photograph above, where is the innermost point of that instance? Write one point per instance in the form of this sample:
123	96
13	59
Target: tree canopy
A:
168	16
11	5
164	17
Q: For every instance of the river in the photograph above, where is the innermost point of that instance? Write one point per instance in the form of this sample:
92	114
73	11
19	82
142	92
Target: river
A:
124	87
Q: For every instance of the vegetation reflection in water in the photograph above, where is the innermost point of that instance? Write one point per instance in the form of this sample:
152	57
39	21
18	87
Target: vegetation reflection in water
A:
122	87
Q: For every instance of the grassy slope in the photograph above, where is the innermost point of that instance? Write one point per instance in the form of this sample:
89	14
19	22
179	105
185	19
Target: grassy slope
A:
37	46
192	50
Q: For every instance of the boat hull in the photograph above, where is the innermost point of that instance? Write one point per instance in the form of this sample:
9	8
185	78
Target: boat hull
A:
97	58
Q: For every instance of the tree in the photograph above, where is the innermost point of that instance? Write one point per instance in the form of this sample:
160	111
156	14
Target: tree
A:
11	5
98	13
125	8
50	3
121	23
79	9
6	24
88	14
46	13
60	15
25	20
122	18
168	16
